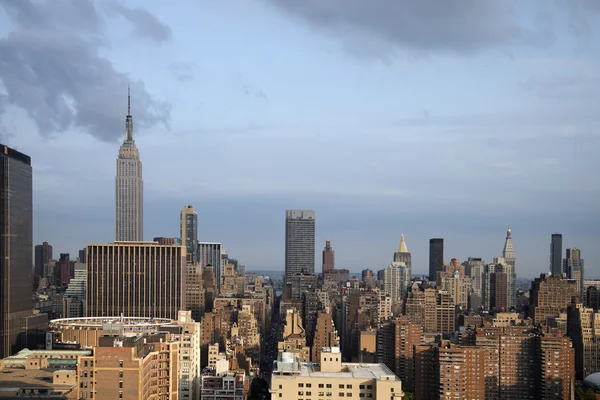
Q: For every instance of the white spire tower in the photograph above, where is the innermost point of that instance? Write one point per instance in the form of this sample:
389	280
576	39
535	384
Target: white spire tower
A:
129	187
508	253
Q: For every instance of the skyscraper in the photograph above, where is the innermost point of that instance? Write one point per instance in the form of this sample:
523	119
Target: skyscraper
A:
15	246
403	260
556	254
43	254
299	242
143	279
573	267
210	253
508	253
328	257
189	232
129	187
436	257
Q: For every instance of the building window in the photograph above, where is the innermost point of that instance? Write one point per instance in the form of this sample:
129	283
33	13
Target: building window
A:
341	394
120	374
120	384
369	387
348	394
348	386
300	393
120	363
361	395
361	387
308	393
301	385
309	385
280	387
329	386
341	386
280	395
321	386
120	395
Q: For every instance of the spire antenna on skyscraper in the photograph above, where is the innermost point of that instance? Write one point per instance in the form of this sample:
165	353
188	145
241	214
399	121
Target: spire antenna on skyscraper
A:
128	101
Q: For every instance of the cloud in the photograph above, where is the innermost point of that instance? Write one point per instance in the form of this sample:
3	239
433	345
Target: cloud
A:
144	24
183	71
463	26
51	67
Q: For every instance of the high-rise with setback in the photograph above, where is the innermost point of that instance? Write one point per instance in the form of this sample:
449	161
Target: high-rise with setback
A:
189	232
129	187
43	254
328	257
299	242
508	253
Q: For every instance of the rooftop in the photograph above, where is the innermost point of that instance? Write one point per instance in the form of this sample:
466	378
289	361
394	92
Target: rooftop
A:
349	370
14	379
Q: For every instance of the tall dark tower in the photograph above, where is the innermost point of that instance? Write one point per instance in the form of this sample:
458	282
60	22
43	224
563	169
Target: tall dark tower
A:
15	246
556	254
436	257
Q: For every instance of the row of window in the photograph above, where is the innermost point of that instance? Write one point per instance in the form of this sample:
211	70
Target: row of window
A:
328	386
340	394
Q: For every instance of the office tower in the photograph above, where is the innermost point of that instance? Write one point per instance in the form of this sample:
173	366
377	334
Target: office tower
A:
140	279
167	241
551	295
403	256
82	257
391	283
210	253
499	292
189	232
63	270
436	257
194	290
573	267
299	242
43	254
15	246
475	269
210	287
328	257
508	253
458	287
369	279
129	187
556	254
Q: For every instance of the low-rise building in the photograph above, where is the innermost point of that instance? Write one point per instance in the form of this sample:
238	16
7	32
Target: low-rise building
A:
332	379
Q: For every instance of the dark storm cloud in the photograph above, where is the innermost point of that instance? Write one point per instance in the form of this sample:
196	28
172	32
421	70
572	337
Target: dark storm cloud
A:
463	26
51	67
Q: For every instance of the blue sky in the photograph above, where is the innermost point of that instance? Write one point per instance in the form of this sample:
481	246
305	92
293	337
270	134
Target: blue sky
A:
430	118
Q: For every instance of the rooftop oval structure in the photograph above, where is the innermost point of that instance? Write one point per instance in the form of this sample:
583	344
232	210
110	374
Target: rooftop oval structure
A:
86	331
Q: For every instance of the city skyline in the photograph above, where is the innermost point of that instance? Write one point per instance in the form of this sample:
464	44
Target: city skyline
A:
356	100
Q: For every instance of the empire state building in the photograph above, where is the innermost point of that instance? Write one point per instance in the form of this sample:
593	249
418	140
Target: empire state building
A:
129	187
